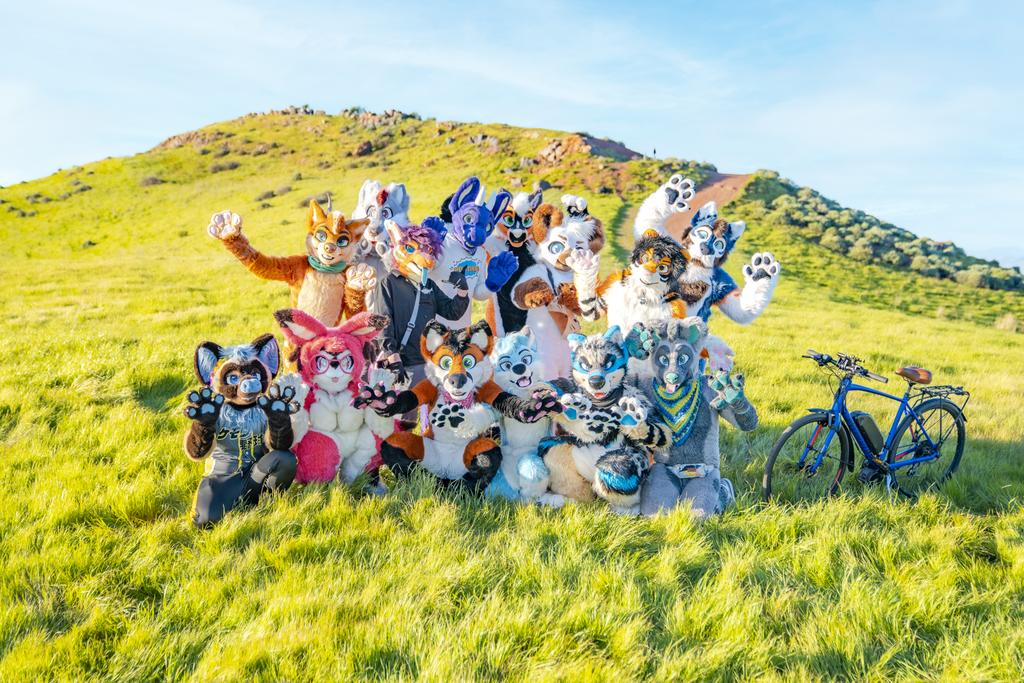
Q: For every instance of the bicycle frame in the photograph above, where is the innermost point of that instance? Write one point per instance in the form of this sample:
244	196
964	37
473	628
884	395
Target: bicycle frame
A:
840	418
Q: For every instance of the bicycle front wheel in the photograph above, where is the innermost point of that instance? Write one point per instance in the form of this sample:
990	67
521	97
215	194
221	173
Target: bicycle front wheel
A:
940	436
791	473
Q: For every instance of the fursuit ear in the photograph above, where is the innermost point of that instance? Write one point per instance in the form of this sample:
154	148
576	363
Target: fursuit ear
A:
545	217
356	227
316	214
399	196
395	233
368	193
366	325
575	339
208	354
298	326
531	338
535	199
466	193
614	334
433	336
696	329
267	352
501	201
736	229
480	334
705	214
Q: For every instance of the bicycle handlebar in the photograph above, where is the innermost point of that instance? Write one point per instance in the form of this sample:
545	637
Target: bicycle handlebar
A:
846	363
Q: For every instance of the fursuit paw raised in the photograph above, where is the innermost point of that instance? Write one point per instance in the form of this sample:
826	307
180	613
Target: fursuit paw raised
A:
762	267
678	191
278	403
728	388
499	269
225	225
377	397
640	341
204	406
633	411
573	405
361	277
584	262
540	404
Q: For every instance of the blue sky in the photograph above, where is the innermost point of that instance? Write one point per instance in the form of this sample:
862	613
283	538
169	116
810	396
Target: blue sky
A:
908	110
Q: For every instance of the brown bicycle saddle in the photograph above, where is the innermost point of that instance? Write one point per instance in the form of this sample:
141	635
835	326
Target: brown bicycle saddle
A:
914	374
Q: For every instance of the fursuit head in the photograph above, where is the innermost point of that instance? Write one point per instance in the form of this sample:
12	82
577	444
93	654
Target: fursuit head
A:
607	426
378	204
646	290
332	435
707	243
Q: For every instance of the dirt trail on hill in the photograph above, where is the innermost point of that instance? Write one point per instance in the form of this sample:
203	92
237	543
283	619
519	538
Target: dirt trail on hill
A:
720	188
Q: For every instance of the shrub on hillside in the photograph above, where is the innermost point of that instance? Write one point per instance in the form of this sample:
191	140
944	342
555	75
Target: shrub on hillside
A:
151	180
224	166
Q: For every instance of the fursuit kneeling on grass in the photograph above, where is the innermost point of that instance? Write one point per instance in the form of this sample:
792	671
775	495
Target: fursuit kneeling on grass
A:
687	469
609	428
241	425
460	408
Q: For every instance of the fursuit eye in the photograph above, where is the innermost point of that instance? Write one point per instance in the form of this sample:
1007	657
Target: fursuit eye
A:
609	363
372	211
347	363
682	360
469	219
703	235
556	248
528	221
445	363
508	221
321	363
234	378
409	249
342	241
386	212
505	365
663	361
663	269
527	359
468	362
585	364
321	235
720	245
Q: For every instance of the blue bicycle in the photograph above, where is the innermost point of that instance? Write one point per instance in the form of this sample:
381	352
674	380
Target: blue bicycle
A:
923	447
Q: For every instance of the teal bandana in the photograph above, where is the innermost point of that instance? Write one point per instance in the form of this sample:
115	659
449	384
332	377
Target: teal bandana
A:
679	409
325	269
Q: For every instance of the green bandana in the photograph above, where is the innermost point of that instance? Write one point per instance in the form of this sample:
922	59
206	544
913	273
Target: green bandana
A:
325	269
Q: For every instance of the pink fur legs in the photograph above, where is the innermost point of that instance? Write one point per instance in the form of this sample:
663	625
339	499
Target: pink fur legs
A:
318	458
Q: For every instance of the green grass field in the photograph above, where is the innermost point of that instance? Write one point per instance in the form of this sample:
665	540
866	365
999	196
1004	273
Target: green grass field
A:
103	577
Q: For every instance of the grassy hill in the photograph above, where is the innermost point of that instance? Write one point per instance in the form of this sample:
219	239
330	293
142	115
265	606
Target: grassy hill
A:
107	291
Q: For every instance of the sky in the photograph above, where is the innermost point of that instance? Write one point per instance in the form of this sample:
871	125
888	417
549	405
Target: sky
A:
907	110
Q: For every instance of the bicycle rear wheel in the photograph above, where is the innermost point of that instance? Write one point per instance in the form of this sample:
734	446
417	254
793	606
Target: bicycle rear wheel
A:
787	477
943	422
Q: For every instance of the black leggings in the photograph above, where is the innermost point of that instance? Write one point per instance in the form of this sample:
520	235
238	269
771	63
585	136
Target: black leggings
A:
219	493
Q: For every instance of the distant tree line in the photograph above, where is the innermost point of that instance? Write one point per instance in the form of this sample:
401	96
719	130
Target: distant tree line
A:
864	238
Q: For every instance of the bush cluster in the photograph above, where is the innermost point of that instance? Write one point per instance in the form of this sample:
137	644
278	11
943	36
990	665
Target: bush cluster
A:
864	238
